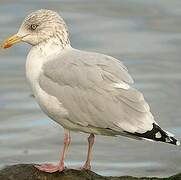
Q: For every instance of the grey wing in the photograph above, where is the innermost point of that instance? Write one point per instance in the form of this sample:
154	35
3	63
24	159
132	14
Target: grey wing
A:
95	90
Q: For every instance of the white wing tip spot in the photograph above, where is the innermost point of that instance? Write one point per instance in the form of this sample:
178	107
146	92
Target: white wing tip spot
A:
158	135
167	140
178	143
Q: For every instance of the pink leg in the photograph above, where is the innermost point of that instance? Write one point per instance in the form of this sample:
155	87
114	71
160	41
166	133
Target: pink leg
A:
87	164
60	166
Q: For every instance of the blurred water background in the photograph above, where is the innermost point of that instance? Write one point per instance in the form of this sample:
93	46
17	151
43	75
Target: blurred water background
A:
145	35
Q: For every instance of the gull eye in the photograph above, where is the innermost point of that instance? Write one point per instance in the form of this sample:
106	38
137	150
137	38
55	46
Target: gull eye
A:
34	26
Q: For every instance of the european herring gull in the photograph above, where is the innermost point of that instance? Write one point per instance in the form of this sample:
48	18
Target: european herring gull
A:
82	91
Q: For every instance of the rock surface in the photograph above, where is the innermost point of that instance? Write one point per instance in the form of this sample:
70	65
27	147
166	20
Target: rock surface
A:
29	172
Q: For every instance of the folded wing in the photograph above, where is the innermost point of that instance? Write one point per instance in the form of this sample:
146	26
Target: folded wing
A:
95	89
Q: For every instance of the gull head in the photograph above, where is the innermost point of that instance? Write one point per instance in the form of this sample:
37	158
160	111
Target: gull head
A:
38	27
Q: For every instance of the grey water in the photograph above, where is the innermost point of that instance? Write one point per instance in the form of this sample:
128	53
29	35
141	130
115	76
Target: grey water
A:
145	35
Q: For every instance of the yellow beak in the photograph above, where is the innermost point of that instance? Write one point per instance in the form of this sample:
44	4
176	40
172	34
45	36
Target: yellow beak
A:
11	41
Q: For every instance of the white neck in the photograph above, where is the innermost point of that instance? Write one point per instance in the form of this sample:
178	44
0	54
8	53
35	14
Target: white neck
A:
39	55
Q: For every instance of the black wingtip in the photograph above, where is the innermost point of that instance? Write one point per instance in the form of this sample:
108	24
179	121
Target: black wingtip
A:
157	134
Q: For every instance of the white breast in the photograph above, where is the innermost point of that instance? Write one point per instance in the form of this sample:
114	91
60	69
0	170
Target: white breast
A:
39	55
34	65
49	104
